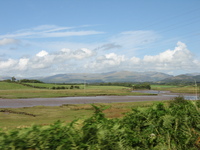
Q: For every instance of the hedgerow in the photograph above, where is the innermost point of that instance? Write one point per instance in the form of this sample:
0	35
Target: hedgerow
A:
160	127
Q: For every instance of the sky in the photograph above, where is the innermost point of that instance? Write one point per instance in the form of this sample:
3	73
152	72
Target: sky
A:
48	37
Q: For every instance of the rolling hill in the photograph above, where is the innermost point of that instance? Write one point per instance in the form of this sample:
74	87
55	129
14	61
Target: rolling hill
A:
182	79
122	76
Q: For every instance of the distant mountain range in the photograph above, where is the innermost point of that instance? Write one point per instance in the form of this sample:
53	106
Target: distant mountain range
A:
185	78
122	76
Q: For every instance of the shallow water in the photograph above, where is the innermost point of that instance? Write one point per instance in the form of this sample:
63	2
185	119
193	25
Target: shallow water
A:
152	91
30	102
168	93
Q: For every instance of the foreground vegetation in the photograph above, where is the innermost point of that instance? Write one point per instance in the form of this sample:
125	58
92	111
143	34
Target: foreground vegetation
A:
11	118
175	126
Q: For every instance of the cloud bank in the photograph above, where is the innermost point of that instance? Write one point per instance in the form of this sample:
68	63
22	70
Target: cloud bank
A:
82	60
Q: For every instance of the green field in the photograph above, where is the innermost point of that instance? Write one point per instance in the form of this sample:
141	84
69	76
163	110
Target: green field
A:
12	86
175	89
65	113
50	85
13	90
16	90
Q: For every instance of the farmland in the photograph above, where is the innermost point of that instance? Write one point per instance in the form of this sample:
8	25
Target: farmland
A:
132	125
176	89
16	90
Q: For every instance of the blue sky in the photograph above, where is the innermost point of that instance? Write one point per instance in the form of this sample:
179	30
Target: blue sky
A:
47	37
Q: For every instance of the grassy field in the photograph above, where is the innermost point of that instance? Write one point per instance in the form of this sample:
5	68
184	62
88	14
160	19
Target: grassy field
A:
94	87
69	112
12	86
45	115
175	89
51	85
15	90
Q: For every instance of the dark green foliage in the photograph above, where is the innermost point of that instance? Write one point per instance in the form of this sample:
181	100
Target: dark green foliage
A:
159	127
30	81
76	87
7	80
142	86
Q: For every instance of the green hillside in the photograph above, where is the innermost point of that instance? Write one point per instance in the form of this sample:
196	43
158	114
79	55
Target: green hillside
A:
12	86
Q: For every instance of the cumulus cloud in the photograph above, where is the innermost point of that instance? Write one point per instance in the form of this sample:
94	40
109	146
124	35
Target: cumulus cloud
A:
66	54
42	53
23	64
8	41
46	61
106	62
83	59
7	64
180	58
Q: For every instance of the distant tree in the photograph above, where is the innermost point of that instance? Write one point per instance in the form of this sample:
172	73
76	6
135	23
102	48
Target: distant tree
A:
142	86
76	87
13	79
58	88
62	87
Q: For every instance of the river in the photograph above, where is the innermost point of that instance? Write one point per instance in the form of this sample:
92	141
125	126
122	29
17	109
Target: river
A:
30	102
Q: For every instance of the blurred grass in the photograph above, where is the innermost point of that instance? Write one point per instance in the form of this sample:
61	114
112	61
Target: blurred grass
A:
46	115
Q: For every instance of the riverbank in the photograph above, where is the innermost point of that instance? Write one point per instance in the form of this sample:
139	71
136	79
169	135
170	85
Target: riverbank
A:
30	102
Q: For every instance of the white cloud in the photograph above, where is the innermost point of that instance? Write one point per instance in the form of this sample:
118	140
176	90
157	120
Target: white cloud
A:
7	41
49	31
42	53
135	60
83	53
170	60
87	60
23	64
8	65
45	61
67	54
134	39
179	58
106	61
